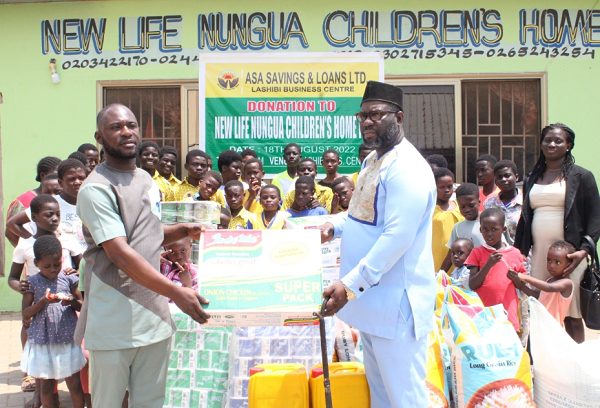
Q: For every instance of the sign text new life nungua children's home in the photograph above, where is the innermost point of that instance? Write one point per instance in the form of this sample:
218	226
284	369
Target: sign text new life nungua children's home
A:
254	101
416	34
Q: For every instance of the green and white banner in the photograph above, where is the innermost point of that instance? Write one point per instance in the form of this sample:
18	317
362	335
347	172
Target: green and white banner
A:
264	102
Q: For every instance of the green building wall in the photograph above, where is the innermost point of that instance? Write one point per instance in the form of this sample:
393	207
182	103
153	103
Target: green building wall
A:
40	118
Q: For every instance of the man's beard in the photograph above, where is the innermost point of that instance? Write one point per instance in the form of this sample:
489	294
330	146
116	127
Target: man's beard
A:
386	140
116	153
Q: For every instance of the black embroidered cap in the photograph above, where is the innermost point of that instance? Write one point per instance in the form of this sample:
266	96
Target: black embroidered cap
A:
378	91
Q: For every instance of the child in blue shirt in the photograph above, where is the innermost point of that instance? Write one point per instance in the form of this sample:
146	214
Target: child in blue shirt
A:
459	252
305	191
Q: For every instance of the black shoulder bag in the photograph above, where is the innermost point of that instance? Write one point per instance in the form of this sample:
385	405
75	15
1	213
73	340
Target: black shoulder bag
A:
590	290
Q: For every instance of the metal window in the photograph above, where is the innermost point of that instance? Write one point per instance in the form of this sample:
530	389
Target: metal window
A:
158	111
501	118
429	121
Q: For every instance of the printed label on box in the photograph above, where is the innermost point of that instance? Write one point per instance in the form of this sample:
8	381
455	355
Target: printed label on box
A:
311	222
261	278
330	276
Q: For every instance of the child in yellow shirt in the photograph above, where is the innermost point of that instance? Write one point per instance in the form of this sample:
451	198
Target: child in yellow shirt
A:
446	214
270	218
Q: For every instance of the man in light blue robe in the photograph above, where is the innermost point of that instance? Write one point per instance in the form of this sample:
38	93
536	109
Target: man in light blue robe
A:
387	287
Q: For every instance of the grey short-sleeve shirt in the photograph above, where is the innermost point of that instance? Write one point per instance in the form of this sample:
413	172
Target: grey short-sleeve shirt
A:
118	312
466	229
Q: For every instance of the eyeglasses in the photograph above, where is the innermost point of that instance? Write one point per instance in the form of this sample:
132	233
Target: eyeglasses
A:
374	115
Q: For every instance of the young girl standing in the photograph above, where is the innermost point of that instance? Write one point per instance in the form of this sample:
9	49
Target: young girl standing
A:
555	293
177	265
446	214
50	353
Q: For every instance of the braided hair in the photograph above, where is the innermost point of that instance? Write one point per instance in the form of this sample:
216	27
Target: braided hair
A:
46	165
540	167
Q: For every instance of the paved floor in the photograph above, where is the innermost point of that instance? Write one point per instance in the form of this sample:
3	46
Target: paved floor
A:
10	366
10	361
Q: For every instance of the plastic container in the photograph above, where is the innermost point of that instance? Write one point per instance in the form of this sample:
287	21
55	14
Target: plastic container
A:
349	387
278	385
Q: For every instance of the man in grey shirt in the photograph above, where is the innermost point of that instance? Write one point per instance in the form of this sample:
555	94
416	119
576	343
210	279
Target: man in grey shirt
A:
125	318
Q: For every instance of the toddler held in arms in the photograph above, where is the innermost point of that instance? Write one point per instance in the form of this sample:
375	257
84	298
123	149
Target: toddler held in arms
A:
557	292
176	265
467	198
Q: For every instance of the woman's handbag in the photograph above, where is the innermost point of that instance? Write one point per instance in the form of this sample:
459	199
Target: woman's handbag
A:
590	290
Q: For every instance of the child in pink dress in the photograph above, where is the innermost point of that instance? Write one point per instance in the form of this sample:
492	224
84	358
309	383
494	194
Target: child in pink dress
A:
557	292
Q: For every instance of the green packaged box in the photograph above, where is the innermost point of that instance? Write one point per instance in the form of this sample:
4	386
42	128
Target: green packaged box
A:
220	380
213	341
173	358
203	359
219	361
196	399
185	340
176	398
183	379
204	379
215	399
171	378
182	321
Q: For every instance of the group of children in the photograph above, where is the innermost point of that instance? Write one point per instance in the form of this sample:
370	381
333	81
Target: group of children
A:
473	230
47	234
247	201
44	227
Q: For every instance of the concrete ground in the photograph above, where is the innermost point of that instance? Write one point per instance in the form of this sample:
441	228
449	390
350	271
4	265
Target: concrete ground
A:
10	366
10	363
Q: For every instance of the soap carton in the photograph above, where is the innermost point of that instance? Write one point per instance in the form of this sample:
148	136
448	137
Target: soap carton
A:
198	364
203	212
261	278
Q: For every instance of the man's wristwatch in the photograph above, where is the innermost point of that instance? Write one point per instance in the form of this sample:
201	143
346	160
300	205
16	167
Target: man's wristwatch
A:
350	295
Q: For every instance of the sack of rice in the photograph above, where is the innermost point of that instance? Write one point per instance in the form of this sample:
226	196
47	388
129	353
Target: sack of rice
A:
437	388
490	368
567	374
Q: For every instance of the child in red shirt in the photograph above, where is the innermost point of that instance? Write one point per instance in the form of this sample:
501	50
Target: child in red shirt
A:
490	263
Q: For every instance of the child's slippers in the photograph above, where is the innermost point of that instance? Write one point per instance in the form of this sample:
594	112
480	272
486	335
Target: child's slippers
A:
28	384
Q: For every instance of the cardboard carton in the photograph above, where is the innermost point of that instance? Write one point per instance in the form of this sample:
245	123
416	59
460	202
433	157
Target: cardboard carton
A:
295	223
261	278
203	212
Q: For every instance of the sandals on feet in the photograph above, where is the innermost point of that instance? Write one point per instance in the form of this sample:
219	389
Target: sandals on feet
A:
28	384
